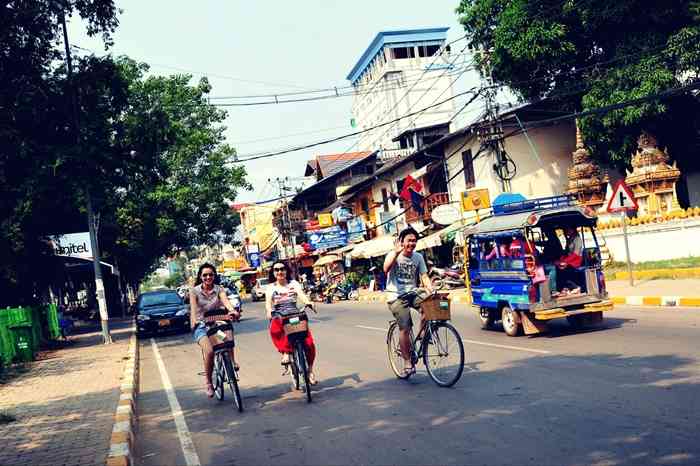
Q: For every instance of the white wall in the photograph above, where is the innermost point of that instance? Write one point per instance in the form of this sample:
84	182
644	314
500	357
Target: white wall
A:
374	106
538	175
671	240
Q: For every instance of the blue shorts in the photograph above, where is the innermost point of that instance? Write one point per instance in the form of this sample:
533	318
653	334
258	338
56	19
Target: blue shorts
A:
199	332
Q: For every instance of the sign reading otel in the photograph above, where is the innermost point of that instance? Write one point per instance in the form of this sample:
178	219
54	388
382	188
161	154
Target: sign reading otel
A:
73	245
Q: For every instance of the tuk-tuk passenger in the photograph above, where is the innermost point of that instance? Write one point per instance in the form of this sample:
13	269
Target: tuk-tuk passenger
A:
571	259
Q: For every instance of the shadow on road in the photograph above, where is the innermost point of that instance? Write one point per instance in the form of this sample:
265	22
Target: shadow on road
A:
556	409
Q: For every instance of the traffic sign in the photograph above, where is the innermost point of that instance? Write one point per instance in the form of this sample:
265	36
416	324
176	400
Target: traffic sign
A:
622	198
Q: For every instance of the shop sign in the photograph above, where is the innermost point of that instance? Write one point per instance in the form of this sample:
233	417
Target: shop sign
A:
311	225
325	220
342	214
476	199
356	229
445	214
254	259
326	238
73	245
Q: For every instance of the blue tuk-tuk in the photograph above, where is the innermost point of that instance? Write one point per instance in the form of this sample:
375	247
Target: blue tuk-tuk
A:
536	260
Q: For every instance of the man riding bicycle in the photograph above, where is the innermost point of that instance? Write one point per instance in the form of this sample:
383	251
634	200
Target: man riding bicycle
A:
403	266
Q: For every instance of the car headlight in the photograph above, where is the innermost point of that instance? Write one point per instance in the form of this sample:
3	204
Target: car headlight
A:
142	317
182	312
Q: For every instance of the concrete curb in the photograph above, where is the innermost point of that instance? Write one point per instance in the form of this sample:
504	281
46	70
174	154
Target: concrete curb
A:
121	448
658	301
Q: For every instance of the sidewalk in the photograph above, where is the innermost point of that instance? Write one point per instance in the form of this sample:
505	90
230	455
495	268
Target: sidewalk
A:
677	292
64	404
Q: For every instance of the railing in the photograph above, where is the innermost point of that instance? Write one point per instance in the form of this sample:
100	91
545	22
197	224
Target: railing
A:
428	204
391	154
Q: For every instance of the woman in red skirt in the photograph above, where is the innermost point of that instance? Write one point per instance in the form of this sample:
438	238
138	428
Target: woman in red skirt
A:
281	298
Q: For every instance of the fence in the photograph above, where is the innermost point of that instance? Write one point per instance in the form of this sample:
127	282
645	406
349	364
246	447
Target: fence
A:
24	329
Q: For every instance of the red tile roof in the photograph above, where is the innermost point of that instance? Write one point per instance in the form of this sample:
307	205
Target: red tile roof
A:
331	163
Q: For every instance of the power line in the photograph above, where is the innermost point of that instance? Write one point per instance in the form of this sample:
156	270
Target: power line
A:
244	158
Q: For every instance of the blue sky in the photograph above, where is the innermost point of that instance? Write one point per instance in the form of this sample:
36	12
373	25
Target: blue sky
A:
247	48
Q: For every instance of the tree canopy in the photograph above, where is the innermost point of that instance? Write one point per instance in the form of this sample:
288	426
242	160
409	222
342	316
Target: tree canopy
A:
587	54
151	151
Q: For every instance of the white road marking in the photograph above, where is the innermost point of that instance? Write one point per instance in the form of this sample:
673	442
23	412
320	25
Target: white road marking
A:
474	342
371	328
188	450
518	348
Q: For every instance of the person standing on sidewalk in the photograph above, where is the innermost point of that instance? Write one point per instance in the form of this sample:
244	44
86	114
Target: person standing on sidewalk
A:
404	267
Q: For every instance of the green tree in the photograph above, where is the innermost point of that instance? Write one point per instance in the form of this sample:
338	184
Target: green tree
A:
586	54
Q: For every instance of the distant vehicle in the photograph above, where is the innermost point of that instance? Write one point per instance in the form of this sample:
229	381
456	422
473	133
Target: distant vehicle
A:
258	292
161	311
234	298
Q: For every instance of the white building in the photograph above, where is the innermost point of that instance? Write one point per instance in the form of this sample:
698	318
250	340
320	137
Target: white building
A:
399	73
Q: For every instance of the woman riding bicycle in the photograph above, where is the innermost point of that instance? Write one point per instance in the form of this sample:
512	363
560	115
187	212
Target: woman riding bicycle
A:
281	297
206	296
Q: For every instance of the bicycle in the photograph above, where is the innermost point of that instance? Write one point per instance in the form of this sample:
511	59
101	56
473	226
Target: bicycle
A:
436	342
220	334
296	327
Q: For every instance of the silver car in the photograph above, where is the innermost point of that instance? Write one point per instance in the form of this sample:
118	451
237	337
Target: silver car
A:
258	292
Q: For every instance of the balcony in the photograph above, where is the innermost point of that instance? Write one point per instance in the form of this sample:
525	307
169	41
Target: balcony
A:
429	203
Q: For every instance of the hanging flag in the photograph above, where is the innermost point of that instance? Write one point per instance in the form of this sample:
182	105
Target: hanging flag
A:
410	184
417	201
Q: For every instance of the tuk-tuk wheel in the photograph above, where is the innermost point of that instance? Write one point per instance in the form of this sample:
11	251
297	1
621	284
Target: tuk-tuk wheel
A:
487	317
511	321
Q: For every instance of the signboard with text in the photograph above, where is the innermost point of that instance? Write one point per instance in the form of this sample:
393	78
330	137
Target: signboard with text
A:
73	245
326	238
325	220
476	199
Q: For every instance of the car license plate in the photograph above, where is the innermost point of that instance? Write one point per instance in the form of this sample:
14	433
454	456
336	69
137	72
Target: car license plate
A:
164	322
294	320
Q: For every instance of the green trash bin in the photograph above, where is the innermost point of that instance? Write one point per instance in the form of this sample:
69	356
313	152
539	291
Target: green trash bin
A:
24	342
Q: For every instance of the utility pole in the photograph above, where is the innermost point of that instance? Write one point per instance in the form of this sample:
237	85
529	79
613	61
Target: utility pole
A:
286	233
99	284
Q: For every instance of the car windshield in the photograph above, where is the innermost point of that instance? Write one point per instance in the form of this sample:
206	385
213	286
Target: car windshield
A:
160	299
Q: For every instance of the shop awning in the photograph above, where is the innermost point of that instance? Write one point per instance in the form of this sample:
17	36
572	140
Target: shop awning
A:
429	241
327	259
374	247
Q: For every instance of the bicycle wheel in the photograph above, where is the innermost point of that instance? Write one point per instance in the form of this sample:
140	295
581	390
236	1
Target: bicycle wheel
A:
443	353
294	365
217	378
393	349
232	380
300	356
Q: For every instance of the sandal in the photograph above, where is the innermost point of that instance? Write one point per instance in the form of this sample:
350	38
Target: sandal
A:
408	371
312	379
210	390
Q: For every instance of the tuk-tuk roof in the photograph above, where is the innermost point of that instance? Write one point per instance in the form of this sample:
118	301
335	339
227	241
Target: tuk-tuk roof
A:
519	220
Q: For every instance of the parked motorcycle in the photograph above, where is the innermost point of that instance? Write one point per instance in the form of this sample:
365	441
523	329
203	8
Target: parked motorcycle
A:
340	292
451	277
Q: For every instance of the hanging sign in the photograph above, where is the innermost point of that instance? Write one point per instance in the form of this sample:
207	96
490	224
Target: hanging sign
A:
476	199
622	199
445	214
325	220
328	238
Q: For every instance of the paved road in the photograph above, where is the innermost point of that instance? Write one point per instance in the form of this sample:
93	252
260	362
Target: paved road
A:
624	394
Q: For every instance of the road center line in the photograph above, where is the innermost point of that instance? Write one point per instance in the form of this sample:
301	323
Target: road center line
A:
188	450
474	342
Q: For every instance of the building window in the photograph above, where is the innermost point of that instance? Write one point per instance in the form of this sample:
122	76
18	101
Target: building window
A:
468	164
428	50
364	204
403	52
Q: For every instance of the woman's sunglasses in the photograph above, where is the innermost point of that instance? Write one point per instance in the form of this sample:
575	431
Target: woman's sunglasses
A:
279	269
205	275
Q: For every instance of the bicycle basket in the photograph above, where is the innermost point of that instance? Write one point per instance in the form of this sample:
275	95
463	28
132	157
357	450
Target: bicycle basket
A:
436	307
215	315
220	335
296	323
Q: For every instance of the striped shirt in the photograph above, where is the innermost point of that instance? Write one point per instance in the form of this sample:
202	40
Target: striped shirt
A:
284	298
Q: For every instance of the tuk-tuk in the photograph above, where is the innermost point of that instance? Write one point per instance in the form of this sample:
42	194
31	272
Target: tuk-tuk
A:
522	270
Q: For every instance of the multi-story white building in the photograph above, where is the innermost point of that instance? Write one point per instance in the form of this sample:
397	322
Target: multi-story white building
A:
399	73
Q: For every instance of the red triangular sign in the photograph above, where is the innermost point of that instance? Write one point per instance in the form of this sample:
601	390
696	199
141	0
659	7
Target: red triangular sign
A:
622	198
